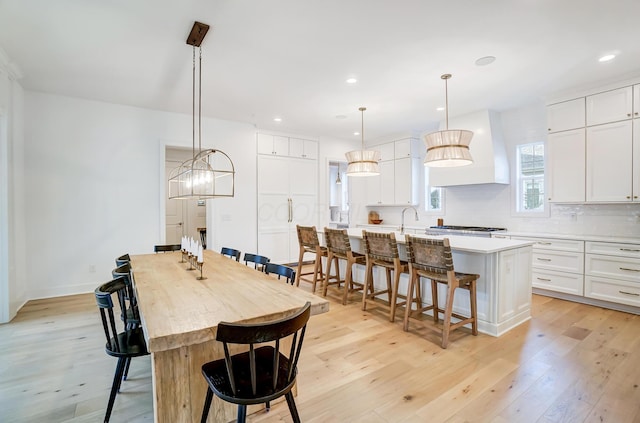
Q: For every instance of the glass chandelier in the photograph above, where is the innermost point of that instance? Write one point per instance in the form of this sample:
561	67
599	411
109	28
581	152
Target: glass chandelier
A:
363	162
209	173
450	147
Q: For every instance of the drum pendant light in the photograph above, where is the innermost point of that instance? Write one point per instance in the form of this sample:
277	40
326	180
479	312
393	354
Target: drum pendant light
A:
209	173
450	147
363	162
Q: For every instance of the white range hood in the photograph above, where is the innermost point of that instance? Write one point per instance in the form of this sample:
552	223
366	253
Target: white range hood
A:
490	164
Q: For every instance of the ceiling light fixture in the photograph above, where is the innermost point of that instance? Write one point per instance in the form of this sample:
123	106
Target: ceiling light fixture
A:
210	173
450	147
277	119
338	180
486	60
351	81
607	58
363	162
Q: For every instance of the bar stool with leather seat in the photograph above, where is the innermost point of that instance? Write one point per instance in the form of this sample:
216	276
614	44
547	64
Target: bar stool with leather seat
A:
261	374
124	345
231	253
339	246
309	243
381	249
432	259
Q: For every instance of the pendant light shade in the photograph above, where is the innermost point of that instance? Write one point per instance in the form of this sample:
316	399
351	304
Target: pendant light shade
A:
450	147
209	173
338	180
363	162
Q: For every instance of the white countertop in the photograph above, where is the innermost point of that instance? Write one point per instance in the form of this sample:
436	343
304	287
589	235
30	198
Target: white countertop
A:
470	244
597	238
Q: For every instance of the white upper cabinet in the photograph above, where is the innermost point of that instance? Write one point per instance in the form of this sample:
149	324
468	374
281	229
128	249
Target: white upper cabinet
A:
609	162
398	181
636	101
566	166
273	144
566	115
407	147
386	151
306	149
610	106
636	160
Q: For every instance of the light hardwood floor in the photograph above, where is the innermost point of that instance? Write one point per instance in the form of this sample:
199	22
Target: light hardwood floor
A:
570	363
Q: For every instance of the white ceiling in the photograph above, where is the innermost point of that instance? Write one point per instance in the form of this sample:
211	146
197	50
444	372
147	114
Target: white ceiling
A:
290	58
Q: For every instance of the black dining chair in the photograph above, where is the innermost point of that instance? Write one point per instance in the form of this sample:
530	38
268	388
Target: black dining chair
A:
281	270
130	315
124	344
259	262
230	252
261	374
166	248
123	259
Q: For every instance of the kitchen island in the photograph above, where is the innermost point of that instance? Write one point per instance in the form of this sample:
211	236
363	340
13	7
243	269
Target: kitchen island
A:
504	286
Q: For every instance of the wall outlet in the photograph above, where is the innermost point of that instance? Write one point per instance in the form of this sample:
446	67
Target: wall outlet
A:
92	268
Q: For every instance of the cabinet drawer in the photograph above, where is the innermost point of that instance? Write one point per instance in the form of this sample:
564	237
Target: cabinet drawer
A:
554	244
609	290
612	267
613	249
569	283
558	260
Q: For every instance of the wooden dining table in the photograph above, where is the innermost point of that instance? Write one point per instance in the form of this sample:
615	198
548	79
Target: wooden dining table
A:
180	315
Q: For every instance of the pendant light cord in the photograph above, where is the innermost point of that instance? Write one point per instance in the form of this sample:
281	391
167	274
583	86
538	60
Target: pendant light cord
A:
193	105
362	109
446	100
200	104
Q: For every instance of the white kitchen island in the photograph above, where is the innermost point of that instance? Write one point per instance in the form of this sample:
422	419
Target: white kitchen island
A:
504	286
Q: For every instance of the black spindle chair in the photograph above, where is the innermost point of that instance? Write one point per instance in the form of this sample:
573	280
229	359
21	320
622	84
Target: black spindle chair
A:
121	344
259	262
281	270
166	248
230	252
262	373
123	259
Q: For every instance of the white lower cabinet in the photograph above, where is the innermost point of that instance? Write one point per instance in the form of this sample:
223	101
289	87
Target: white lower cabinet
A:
612	272
557	264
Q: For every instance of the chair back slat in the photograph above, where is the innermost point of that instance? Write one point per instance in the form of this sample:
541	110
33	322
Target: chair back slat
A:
106	305
432	255
337	241
380	246
308	236
227	361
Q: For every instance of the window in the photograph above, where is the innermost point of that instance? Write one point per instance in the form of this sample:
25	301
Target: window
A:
530	178
434	196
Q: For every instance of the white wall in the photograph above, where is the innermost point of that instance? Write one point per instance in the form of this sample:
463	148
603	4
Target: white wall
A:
94	186
492	204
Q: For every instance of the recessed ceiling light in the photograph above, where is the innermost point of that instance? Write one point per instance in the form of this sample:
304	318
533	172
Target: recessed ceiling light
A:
277	119
341	116
607	57
356	133
440	109
486	60
351	81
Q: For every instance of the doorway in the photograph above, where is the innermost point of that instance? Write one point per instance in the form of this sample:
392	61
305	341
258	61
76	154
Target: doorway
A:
182	217
338	194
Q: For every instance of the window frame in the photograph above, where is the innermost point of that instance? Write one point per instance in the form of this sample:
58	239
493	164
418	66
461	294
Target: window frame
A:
519	179
427	194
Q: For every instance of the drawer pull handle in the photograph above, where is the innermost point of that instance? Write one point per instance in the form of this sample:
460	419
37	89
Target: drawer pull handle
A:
543	279
543	243
630	270
629	293
543	259
630	249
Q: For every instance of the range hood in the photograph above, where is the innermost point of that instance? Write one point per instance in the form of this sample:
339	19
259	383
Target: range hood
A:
490	164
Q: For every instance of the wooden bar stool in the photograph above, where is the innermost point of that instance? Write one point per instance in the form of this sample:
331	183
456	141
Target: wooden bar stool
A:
381	250
432	259
339	247
309	243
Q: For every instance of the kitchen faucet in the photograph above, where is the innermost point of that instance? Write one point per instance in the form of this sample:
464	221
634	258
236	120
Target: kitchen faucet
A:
404	210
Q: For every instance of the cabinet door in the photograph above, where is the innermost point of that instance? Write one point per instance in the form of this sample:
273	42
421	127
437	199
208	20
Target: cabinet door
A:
372	184
636	158
566	115
566	166
387	151
609	161
609	106
280	145
387	182
636	101
310	150
402	148
265	144
403	181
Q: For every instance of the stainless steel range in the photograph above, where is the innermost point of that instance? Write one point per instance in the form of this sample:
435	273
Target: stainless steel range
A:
462	230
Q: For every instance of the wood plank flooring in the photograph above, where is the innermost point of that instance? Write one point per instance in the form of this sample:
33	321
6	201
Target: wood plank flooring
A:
570	363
